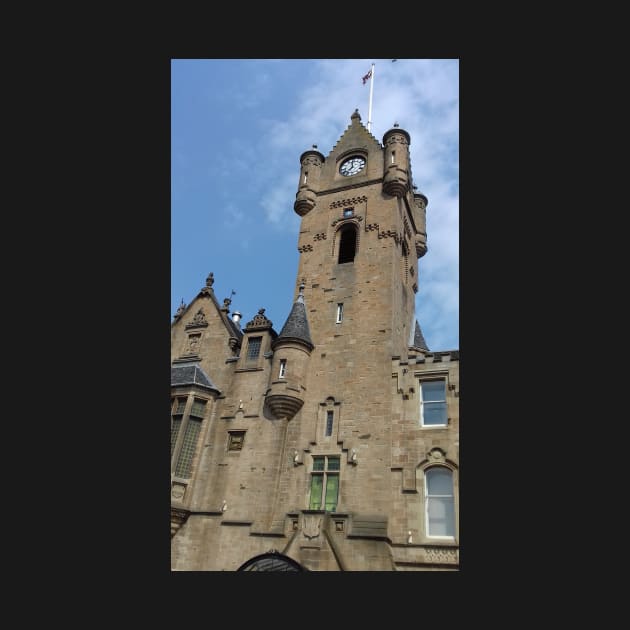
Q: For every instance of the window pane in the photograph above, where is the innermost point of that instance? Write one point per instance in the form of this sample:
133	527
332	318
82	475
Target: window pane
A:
441	517
332	490
318	463
181	404
433	390
175	425
434	413
253	348
316	492
333	463
184	461
198	408
439	481
329	422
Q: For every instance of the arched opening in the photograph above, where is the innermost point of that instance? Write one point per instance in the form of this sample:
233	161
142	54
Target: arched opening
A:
347	244
271	561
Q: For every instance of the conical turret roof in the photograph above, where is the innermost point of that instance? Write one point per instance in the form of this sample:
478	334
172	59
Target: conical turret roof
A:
418	339
296	327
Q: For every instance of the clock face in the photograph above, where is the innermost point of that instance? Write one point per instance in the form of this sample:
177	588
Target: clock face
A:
352	166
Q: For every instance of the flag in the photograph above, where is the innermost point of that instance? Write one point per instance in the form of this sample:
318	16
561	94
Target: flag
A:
367	76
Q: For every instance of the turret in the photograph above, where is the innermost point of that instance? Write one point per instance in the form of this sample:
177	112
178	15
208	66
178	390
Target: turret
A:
289	368
396	176
308	186
420	219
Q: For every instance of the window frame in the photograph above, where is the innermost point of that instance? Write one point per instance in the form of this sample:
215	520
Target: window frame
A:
325	474
232	434
426	472
339	315
253	359
330	422
282	372
190	422
421	402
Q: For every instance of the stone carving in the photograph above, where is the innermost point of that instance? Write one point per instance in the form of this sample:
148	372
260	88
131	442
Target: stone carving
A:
437	454
210	280
305	248
444	555
178	491
311	525
199	318
320	237
311	160
193	344
259	321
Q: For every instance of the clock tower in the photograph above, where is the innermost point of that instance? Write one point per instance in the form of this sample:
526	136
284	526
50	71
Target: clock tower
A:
332	445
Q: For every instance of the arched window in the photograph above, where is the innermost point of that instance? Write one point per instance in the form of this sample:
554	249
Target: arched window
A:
347	244
439	503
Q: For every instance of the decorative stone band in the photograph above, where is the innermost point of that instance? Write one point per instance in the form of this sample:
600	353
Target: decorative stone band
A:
342	203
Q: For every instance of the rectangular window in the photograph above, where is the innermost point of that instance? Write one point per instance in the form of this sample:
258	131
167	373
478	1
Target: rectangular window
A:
440	509
181	405
184	461
236	439
339	313
176	423
198	408
325	482
253	348
283	368
433	403
329	423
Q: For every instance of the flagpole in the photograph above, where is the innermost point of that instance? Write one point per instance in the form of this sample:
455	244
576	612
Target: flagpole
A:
369	123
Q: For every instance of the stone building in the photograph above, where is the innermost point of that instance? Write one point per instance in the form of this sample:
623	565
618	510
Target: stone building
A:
332	445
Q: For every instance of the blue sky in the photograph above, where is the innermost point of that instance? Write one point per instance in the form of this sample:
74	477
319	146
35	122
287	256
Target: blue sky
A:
238	128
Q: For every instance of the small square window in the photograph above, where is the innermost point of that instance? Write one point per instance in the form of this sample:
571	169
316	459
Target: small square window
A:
236	439
348	212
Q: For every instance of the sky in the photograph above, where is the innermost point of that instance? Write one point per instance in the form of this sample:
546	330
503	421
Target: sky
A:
238	128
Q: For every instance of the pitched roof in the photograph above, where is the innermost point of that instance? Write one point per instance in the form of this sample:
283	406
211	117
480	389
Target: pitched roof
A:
191	374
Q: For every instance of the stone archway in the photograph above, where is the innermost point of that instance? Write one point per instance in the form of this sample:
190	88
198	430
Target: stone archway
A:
271	561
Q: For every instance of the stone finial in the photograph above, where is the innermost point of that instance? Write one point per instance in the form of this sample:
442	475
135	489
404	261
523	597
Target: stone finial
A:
180	309
210	280
355	115
314	146
396	124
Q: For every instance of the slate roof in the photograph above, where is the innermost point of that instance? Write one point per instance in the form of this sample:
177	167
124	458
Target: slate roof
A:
296	327
418	339
191	374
